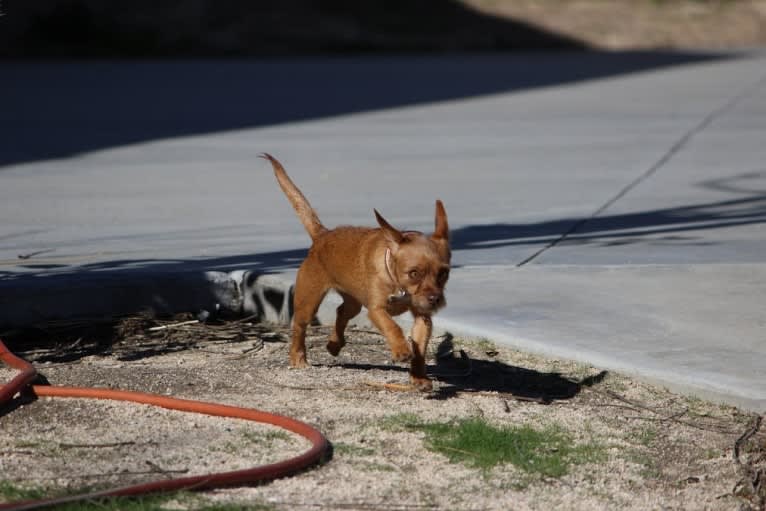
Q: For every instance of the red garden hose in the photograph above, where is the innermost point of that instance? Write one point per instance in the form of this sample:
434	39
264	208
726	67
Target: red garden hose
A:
236	477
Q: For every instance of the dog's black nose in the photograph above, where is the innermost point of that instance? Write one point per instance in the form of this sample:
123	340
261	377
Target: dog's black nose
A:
434	299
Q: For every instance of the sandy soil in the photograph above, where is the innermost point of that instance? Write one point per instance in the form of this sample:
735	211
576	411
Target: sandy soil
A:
141	28
660	450
639	24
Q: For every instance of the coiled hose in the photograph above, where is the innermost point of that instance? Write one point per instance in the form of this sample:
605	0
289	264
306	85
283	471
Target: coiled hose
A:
27	375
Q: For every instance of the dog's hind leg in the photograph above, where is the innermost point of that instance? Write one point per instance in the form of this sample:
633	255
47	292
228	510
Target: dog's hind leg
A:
311	285
345	311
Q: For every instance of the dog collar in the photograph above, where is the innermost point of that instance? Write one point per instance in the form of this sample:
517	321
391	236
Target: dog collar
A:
401	294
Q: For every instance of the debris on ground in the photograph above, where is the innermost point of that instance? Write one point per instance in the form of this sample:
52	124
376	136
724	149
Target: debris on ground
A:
597	440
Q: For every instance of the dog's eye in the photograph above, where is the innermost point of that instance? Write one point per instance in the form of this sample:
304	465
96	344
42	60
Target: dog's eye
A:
442	276
414	274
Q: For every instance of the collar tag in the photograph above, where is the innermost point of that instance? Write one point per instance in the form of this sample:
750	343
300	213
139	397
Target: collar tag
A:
400	296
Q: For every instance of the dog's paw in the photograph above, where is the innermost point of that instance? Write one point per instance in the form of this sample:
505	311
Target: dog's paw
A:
298	361
334	347
422	384
402	356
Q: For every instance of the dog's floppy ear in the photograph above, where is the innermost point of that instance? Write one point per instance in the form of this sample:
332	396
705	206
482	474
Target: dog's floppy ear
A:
441	230
391	232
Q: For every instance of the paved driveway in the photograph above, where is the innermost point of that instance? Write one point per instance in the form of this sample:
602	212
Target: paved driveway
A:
604	207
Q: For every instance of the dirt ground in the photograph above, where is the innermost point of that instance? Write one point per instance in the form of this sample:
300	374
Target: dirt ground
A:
641	24
658	450
142	28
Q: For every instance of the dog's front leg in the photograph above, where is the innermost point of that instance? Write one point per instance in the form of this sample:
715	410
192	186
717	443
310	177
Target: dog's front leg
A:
421	334
400	349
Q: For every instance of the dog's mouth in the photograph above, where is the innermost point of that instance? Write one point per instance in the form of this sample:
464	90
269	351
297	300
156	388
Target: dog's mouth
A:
428	304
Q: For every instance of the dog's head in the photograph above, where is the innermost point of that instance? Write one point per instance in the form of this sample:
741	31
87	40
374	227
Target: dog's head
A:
419	263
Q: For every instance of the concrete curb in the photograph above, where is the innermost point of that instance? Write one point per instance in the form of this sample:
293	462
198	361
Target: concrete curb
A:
267	297
239	293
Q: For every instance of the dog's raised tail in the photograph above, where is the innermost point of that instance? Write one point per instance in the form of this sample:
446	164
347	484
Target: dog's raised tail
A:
306	213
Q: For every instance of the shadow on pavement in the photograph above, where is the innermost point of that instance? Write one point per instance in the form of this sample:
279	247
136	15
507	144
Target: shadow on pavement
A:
57	109
676	224
263	263
604	230
144	28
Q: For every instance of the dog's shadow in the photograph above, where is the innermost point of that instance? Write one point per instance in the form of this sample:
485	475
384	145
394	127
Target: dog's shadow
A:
459	373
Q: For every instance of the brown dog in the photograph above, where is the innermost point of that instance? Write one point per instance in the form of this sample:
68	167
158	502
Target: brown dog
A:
386	270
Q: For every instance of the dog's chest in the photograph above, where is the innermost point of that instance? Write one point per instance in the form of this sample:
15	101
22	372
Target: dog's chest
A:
395	308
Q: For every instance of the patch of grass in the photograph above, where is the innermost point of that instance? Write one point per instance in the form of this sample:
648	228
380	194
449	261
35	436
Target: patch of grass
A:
342	449
649	467
486	345
697	406
11	493
646	436
548	452
710	453
266	436
379	467
45	447
28	444
148	503
236	507
616	383
252	437
399	421
168	501
584	372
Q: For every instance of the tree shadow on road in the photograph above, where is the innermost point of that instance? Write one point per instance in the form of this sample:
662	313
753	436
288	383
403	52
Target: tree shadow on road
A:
675	225
672	222
133	102
135	285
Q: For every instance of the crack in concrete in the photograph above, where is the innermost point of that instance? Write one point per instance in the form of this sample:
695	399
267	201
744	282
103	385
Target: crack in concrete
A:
666	157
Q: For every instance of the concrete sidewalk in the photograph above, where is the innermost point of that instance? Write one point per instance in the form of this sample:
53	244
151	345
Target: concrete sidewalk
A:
607	208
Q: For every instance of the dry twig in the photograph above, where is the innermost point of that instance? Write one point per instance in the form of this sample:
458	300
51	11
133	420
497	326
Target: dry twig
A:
752	485
173	325
397	387
639	407
95	446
